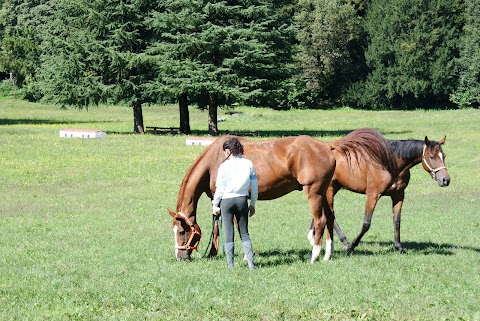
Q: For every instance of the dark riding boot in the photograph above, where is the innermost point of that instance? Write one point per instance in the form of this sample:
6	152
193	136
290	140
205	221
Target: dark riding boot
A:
248	249
229	251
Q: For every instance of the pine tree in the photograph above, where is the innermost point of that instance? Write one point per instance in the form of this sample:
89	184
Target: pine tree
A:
219	52
412	46
93	52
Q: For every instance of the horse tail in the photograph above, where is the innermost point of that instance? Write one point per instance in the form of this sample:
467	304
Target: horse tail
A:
367	143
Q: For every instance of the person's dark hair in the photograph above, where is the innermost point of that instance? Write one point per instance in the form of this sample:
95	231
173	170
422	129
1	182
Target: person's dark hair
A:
234	146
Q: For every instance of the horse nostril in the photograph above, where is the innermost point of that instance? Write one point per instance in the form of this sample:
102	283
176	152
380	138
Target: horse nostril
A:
446	181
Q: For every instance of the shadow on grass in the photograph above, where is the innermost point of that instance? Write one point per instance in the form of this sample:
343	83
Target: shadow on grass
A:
26	121
283	257
260	133
416	248
286	257
284	133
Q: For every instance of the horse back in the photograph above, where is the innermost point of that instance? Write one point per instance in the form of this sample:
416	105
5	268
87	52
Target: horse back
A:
364	162
282	165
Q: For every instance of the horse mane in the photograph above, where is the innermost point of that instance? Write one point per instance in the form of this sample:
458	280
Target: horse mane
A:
410	148
367	143
190	172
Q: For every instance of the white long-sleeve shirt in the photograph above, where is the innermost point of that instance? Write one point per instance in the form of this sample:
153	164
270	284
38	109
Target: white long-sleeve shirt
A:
235	177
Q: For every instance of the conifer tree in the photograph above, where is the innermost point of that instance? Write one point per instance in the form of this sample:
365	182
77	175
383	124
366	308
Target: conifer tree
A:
93	52
219	52
412	46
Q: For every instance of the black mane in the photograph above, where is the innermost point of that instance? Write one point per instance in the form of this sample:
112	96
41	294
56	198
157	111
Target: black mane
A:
410	148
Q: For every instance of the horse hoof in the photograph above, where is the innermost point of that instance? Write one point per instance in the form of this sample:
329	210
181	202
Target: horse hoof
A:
348	248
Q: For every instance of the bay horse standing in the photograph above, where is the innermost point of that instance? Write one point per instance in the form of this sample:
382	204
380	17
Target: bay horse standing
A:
282	165
369	164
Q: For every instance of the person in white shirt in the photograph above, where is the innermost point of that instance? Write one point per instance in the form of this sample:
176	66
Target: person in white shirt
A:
235	177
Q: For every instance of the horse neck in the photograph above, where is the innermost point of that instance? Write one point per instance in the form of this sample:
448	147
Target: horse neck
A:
194	184
408	152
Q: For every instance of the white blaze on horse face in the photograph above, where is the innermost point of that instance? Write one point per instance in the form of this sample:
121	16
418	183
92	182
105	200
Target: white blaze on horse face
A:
328	250
315	252
440	154
175	229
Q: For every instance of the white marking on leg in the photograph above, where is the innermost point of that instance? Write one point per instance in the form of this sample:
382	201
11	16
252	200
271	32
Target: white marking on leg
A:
175	228
328	250
310	237
315	252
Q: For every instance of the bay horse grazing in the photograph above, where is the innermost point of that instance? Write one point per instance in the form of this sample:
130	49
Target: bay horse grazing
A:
367	163
282	165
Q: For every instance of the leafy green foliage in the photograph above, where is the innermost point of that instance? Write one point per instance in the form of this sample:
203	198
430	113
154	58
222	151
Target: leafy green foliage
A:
19	54
328	32
281	54
412	46
468	92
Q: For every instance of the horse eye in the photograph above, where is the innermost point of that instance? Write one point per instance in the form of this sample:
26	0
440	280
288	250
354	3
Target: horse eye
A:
182	233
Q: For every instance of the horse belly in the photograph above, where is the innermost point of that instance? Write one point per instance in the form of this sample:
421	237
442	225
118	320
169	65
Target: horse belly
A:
273	190
362	177
353	178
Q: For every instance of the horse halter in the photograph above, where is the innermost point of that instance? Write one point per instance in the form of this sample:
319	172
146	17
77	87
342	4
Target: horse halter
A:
191	244
433	171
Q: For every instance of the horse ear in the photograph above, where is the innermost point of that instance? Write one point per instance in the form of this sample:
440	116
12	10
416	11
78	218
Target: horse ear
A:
427	142
172	213
442	141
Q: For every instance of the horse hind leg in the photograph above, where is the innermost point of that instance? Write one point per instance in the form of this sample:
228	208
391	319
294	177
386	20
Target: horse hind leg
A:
328	206
319	221
329	227
338	230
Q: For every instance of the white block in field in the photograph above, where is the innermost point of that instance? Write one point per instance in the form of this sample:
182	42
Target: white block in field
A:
82	133
204	141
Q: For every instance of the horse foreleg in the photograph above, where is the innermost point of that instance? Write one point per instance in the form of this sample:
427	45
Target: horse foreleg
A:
215	240
397	202
367	220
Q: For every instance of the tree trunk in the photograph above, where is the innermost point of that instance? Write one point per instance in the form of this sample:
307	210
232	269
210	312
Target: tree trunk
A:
137	117
184	114
212	115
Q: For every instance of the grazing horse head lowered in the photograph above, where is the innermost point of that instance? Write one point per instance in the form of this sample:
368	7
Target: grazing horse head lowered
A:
282	165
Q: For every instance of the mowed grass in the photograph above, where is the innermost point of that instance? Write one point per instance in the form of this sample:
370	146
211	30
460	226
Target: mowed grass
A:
85	233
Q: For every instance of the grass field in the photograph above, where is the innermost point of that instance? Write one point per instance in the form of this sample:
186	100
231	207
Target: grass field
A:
85	233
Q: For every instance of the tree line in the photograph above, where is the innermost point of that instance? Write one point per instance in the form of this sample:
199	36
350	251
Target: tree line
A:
372	54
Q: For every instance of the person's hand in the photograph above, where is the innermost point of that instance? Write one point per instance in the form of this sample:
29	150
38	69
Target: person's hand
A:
216	211
251	209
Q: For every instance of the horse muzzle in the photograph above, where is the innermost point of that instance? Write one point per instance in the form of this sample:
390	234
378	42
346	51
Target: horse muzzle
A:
183	255
443	181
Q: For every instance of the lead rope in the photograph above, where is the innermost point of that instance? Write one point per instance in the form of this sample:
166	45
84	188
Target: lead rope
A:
220	235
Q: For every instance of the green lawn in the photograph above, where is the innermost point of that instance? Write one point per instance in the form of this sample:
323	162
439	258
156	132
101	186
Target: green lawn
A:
85	233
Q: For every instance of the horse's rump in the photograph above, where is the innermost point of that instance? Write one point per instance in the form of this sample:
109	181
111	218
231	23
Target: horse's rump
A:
368	144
